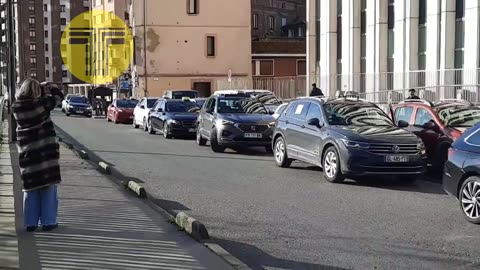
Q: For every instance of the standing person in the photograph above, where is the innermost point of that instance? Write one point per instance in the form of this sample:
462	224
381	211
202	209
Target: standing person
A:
316	91
38	154
412	94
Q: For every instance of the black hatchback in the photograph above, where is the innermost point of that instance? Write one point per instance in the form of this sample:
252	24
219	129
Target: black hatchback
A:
346	137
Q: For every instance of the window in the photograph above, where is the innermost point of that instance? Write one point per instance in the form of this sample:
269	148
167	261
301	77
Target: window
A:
300	31
403	114
47	73
45	20
64	73
47	60
62	8
422	117
254	68
474	138
31	7
211	46
32	35
271	22
314	112
301	67
192	7
46	47
33	60
299	110
210	104
31	20
33	74
266	68
33	48
284	21
45	7
255	21
46	34
63	21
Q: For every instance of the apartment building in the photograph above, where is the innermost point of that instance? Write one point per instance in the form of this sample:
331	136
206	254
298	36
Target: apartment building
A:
375	46
278	18
189	44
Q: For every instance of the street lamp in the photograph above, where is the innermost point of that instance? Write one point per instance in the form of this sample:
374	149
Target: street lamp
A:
11	72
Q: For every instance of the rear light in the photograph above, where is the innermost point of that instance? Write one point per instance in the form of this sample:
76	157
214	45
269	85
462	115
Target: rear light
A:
455	134
451	152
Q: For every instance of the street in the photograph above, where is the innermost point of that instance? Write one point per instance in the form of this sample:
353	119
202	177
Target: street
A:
271	217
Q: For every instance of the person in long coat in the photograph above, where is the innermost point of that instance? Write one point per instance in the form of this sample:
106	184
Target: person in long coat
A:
38	154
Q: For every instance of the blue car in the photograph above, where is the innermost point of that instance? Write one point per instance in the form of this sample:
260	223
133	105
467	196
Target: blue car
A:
173	117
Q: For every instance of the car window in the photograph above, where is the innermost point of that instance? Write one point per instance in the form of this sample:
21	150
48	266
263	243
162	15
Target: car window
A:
126	103
460	116
180	106
423	116
141	103
314	112
150	102
356	114
78	100
403	114
181	94
299	110
240	105
474	138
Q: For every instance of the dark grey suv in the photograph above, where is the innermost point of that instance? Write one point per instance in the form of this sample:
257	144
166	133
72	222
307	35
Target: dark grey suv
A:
234	121
346	137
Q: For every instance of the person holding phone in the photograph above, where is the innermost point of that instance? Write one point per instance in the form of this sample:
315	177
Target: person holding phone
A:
38	153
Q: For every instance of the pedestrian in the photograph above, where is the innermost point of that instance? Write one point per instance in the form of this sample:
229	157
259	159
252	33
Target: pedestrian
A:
316	91
38	153
412	94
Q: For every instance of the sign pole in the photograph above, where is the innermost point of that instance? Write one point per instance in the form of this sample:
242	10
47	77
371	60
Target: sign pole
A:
12	134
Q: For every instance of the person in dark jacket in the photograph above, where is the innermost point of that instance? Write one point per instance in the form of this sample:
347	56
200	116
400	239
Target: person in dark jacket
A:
412	94
316	91
38	154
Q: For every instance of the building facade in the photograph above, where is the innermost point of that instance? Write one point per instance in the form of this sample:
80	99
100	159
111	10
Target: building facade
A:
274	18
189	44
388	46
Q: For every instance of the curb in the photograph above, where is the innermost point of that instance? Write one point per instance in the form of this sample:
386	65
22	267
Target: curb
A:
104	167
192	226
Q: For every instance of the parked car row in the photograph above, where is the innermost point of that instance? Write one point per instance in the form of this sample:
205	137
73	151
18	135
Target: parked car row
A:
346	136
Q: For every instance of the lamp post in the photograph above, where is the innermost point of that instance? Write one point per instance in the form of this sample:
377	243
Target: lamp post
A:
11	72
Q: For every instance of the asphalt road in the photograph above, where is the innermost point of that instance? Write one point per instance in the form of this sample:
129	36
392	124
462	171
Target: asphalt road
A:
271	217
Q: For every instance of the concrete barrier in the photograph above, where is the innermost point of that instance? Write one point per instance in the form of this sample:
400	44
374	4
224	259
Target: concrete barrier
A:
83	154
137	188
104	167
192	226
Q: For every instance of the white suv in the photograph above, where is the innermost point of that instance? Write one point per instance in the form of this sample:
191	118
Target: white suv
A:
140	114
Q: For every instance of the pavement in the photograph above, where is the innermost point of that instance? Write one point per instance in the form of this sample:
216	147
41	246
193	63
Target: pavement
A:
102	226
274	218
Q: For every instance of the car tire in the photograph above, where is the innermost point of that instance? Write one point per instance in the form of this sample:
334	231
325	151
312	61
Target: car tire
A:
214	142
468	204
280	153
67	114
151	130
200	140
134	123
145	126
165	132
331	166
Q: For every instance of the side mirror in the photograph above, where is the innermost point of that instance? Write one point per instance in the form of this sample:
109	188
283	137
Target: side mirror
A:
160	110
402	124
142	107
271	112
209	110
430	125
315	122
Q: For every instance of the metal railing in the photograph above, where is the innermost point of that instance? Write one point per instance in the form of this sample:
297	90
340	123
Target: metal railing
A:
388	87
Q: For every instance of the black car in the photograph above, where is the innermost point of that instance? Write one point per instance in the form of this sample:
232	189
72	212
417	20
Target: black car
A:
346	137
78	105
461	177
234	121
173	117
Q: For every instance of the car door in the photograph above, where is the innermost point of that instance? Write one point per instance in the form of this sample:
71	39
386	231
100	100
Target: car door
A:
208	116
427	129
138	112
403	113
295	124
156	114
111	110
314	135
161	119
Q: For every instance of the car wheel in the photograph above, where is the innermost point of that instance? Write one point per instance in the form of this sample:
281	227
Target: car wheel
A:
469	198
67	114
214	142
200	140
134	123
280	154
151	130
165	132
145	126
331	166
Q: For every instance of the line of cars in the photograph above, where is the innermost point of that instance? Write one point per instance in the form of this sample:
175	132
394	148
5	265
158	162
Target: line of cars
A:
346	136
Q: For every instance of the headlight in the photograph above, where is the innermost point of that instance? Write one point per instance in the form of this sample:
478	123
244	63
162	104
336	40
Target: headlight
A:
226	122
271	124
420	145
89	108
120	110
353	144
172	122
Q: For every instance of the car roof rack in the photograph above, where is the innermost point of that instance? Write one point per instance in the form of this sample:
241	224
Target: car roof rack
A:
423	101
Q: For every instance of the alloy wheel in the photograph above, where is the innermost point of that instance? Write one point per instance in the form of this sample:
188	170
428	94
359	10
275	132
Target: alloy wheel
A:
330	164
470	199
279	151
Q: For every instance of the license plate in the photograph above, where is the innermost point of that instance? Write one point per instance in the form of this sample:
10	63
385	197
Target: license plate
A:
396	159
79	111
253	135
192	130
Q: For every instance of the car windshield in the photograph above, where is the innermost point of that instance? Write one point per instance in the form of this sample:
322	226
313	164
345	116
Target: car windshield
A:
356	114
181	107
78	100
240	105
125	103
460	116
268	99
200	102
150	102
181	94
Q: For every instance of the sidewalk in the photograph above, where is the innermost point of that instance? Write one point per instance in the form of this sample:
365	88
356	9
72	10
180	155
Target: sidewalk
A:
101	227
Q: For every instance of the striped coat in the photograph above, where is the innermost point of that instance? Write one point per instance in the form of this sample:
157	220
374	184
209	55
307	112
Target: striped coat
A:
37	145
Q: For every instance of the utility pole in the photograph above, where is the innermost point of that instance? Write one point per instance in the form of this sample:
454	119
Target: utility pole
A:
11	73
